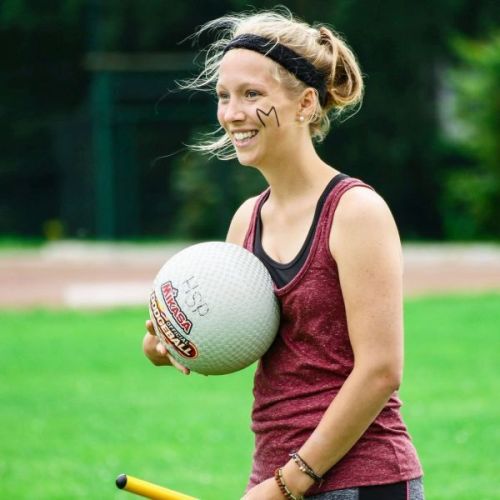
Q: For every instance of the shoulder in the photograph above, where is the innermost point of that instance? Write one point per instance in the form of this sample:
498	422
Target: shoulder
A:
240	221
362	205
362	217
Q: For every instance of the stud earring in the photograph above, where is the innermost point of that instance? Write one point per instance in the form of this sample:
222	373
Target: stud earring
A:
301	118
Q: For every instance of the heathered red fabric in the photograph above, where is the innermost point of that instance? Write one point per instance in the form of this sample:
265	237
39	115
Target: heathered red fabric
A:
305	367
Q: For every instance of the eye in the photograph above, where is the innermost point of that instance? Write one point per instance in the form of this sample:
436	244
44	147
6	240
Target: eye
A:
222	96
252	94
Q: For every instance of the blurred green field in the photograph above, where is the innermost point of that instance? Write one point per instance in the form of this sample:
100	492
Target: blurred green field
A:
80	404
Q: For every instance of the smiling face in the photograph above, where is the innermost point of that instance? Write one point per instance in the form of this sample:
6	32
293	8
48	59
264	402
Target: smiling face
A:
254	109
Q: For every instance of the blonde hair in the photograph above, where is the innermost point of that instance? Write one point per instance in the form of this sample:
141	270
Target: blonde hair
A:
320	45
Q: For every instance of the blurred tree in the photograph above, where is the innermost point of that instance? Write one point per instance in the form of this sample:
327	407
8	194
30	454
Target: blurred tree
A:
471	200
208	193
41	79
45	87
393	142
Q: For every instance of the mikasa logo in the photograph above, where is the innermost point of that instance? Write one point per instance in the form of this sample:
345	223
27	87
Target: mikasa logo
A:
168	331
169	293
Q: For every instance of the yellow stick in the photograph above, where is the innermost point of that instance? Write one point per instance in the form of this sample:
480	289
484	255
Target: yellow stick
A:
148	490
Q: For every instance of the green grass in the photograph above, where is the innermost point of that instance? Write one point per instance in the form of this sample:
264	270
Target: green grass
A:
79	404
15	243
451	387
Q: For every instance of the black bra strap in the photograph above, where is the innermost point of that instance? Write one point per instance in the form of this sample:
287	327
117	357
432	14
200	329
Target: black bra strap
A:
284	273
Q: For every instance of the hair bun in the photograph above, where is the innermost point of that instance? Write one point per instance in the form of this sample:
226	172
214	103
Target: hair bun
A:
325	36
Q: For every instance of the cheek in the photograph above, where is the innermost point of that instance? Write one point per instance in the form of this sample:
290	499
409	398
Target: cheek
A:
220	116
268	116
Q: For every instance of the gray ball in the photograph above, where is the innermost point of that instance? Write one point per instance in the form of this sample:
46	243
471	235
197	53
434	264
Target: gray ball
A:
213	307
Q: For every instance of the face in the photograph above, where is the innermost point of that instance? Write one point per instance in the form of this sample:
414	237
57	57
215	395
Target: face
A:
253	108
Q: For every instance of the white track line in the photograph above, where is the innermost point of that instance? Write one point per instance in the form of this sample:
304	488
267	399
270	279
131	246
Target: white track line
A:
107	294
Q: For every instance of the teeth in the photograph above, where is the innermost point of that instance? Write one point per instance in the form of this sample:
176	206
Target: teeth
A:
240	136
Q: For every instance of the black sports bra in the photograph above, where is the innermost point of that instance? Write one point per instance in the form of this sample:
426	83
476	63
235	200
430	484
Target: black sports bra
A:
284	273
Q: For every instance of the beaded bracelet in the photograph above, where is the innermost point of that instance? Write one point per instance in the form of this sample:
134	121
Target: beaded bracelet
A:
278	475
304	467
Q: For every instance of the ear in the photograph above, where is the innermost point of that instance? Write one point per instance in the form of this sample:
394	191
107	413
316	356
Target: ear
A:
307	103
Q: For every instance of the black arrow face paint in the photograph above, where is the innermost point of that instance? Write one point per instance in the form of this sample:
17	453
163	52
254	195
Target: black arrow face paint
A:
261	112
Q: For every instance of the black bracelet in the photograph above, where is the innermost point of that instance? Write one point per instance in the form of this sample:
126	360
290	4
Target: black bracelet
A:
304	467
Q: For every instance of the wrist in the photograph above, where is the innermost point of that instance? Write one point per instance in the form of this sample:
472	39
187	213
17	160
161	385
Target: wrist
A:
295	479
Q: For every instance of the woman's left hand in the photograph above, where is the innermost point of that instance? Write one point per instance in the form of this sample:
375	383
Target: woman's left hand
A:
267	490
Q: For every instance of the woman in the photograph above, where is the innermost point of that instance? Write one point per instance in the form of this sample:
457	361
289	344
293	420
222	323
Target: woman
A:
326	414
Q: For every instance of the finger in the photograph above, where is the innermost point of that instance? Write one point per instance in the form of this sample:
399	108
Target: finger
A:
149	342
163	352
150	328
176	364
161	349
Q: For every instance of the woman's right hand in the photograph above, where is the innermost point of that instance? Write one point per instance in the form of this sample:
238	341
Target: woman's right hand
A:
156	352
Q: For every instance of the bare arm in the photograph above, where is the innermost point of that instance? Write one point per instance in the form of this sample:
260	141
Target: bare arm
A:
366	246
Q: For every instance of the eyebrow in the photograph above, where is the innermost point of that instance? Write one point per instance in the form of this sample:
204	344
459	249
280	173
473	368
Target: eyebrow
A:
241	85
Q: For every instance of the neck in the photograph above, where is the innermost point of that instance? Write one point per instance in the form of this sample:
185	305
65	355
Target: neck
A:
298	175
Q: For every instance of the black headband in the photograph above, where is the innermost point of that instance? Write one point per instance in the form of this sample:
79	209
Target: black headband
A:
286	57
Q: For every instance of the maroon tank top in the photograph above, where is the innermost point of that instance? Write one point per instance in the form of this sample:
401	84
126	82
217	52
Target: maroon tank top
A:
305	367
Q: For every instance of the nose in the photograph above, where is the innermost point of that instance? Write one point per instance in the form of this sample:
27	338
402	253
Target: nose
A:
233	111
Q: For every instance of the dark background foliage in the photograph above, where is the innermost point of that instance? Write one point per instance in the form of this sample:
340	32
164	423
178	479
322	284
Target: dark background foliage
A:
89	127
